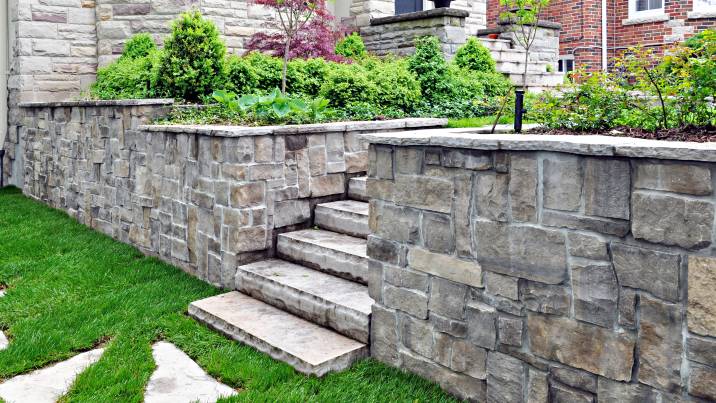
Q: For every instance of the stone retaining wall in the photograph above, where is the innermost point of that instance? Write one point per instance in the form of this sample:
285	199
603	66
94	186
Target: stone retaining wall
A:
205	198
545	268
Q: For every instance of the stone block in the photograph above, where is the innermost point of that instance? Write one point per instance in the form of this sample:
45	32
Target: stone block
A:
575	378
701	311
627	307
702	382
245	239
417	335
384	335
569	342
409	160
406	278
646	269
596	294
481	324
522	251
447	267
678	178
505	286
461	212
437	233
249	194
447	298
383	162
545	298
607	185
612	391
523	187
510	331
291	212
564	394
577	222
399	224
409	301
701	349
660	343
587	246
375	280
469	359
457	328
505	378
467	159
563	178
423	192
672	220
463	386
327	185
491	196
537	386
386	251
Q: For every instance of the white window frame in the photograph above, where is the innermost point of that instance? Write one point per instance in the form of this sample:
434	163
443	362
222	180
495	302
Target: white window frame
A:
634	15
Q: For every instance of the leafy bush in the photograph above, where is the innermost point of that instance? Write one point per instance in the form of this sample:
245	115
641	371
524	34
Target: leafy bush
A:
127	78
273	107
140	45
429	66
267	70
474	56
346	84
352	47
306	76
193	62
241	77
396	87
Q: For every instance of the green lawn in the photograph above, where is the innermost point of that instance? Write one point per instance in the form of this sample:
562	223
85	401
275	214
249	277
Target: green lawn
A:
477	122
71	289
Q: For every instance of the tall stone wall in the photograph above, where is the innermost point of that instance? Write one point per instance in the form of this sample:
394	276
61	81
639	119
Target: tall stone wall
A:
544	269
202	198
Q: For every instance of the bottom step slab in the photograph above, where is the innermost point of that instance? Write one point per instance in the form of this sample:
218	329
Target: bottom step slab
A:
309	348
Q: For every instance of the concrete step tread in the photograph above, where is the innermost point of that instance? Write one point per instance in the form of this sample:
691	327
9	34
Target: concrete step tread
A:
330	240
309	348
349	217
319	284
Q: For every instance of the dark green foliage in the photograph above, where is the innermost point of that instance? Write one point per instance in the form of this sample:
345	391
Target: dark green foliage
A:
127	78
193	61
348	83
267	69
241	77
140	45
396	86
429	66
474	56
305	77
352	47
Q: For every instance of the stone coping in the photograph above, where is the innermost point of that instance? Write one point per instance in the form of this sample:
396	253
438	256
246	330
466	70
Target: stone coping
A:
586	145
242	131
420	15
88	102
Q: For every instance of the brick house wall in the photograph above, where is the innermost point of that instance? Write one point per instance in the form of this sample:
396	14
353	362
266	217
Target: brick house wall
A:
582	27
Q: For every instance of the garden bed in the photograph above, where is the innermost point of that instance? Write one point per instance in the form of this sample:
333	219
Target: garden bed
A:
694	134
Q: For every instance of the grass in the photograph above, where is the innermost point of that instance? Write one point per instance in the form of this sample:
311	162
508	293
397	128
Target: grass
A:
477	122
70	289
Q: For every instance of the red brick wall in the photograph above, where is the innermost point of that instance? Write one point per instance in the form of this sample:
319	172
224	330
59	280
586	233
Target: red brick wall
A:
582	20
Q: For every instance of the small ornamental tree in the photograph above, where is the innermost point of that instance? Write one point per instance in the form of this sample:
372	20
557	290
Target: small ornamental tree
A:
293	17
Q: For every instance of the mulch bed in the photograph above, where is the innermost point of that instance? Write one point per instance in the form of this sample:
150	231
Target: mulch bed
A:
696	134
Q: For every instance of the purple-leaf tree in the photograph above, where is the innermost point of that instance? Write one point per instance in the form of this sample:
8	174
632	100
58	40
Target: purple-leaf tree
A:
293	16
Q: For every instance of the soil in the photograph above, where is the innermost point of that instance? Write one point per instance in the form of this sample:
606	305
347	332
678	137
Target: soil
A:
695	134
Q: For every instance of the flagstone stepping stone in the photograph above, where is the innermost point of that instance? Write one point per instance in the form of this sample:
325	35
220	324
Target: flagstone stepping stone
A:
46	385
179	379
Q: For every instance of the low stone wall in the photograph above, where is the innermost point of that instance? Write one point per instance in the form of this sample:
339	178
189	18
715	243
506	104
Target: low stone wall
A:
397	34
545	268
205	198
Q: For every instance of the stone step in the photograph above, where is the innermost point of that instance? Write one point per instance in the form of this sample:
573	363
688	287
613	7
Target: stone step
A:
357	188
330	252
321	298
496	44
309	348
348	217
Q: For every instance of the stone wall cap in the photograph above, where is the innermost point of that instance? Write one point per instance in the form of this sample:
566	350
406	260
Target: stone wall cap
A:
421	15
118	102
608	146
333	127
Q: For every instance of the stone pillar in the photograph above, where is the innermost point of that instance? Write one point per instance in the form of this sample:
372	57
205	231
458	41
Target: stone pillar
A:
397	34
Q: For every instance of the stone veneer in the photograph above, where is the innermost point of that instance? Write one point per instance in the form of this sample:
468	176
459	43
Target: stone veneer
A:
204	198
545	268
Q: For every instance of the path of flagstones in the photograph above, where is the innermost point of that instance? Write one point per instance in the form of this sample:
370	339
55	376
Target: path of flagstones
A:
177	378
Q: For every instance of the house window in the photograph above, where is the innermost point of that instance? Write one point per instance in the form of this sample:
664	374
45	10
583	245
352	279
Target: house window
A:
565	64
645	8
408	6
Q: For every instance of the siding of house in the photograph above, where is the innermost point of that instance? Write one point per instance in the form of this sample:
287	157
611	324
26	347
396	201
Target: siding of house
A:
581	27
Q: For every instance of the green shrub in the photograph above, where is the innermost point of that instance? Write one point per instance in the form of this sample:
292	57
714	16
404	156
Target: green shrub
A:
346	84
193	62
306	76
429	66
241	77
127	78
474	56
267	70
352	47
396	86
140	45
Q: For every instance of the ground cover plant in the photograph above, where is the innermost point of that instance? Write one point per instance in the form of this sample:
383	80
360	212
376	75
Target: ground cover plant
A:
345	83
70	288
646	95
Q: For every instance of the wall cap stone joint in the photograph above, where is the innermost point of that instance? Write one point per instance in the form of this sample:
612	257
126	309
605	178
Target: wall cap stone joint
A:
420	15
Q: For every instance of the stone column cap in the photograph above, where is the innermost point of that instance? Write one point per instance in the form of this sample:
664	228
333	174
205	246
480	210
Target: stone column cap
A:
605	146
421	15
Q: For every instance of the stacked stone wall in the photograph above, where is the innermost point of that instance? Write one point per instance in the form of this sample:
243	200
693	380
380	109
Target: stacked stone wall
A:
203	198
536	275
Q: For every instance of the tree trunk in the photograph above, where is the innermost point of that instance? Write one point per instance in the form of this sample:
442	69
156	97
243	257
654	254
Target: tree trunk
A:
524	76
286	51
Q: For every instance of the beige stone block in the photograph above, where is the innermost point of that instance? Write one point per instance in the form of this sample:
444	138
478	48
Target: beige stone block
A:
701	313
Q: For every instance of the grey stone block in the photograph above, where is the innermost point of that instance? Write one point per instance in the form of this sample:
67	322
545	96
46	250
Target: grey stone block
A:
680	221
384	335
678	178
510	331
291	212
646	269
406	278
587	246
469	359
437	233
409	160
447	298
491	196
505	286
409	301
597	224
701	349
481	324
702	382
545	298
399	224
612	391
523	187
417	335
564	394
575	378
596	294
660	343
505	378
607	184
627	307
563	180
447	267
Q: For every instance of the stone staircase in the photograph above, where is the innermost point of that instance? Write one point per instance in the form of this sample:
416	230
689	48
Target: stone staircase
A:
309	307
